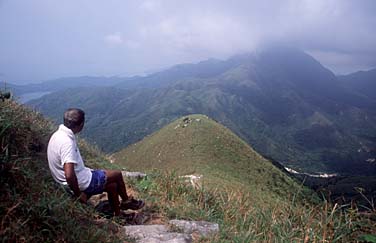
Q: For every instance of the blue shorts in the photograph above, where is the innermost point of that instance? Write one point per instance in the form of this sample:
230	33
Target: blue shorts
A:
98	180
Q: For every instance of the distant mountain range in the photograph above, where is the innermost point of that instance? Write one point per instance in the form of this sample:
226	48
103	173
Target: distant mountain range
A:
283	102
63	83
362	82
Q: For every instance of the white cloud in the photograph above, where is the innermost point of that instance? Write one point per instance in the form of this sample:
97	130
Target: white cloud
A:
211	34
114	39
131	44
150	34
117	39
341	63
150	6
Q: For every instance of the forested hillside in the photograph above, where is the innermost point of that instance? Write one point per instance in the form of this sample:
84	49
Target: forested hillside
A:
280	100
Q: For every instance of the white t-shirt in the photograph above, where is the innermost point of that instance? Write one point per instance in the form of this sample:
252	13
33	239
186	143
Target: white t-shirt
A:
62	148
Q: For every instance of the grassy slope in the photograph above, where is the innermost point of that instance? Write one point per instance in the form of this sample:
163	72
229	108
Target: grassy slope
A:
32	208
206	147
251	199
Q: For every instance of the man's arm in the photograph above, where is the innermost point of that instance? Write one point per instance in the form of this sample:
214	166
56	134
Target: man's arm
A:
71	177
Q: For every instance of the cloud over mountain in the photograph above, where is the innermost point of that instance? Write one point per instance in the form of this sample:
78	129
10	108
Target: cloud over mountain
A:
126	37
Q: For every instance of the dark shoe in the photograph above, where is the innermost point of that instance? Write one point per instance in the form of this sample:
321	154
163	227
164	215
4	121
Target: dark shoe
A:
132	204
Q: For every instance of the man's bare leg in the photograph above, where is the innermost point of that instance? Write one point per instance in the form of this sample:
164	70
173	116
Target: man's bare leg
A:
115	176
116	186
113	197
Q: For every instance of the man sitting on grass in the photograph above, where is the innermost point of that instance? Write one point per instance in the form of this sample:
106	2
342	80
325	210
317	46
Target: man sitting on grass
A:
68	168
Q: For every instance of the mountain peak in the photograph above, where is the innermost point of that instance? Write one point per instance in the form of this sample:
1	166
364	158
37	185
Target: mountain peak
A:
198	144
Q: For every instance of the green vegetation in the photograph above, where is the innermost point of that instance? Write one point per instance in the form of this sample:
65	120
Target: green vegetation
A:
4	95
283	103
32	207
345	189
198	145
244	218
247	195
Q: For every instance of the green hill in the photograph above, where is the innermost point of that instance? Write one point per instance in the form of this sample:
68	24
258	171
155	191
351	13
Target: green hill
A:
196	144
32	209
253	200
281	101
363	82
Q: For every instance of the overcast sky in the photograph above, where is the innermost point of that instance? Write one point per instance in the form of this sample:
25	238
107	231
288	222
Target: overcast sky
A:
45	39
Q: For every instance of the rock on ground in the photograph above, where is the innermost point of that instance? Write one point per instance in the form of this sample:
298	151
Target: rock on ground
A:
201	228
187	230
133	175
155	234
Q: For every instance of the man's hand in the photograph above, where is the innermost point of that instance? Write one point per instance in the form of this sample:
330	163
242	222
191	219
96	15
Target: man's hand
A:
71	178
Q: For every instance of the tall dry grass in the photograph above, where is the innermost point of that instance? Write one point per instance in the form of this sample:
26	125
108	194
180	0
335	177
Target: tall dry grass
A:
32	208
256	218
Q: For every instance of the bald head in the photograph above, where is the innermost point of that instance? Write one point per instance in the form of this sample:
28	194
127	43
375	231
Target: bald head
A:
74	118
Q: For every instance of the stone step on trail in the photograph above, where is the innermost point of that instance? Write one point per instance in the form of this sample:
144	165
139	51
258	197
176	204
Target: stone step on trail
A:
133	174
177	231
155	234
201	228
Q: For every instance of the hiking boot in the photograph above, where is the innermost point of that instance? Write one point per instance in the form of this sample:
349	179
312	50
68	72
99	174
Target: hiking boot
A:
132	204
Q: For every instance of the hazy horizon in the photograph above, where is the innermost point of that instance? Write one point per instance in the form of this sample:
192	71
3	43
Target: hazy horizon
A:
145	73
43	40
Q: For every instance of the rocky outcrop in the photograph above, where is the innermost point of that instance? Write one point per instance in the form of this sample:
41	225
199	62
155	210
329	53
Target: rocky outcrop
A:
194	180
178	231
133	175
200	228
155	234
